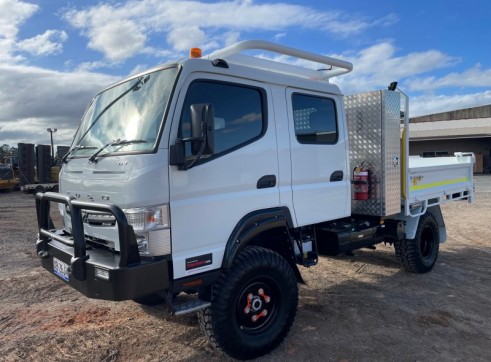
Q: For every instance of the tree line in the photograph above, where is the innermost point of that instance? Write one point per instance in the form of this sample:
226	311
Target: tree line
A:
6	151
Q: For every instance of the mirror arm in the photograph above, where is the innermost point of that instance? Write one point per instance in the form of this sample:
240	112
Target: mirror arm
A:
177	152
201	139
201	118
192	139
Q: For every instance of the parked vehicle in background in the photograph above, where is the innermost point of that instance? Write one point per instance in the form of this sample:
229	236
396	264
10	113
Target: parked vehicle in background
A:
7	180
38	172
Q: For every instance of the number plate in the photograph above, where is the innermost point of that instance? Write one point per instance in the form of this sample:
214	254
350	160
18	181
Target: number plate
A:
60	268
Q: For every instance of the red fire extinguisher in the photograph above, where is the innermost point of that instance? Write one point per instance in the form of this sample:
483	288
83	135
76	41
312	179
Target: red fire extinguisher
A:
361	183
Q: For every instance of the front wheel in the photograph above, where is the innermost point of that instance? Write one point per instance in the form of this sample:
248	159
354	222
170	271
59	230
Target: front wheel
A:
253	304
419	255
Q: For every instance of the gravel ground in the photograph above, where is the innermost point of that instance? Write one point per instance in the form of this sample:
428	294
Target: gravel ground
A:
361	308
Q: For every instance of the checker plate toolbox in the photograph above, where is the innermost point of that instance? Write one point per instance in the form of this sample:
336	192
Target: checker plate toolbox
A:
374	131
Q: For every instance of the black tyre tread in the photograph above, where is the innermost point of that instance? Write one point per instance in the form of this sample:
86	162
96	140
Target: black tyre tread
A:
205	323
212	324
408	251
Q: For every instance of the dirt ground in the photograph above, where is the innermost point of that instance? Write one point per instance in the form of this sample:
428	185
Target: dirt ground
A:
361	308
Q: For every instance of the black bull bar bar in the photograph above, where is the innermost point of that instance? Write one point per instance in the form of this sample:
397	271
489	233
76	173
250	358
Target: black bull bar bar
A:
127	241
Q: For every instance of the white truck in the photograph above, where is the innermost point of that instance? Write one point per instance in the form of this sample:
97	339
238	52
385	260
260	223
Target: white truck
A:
219	175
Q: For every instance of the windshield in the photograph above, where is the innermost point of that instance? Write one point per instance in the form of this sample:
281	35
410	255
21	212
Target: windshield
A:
131	111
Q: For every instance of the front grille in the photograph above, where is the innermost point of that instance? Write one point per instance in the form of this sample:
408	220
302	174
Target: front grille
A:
97	243
99	219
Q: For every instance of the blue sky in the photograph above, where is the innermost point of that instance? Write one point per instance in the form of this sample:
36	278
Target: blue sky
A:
55	55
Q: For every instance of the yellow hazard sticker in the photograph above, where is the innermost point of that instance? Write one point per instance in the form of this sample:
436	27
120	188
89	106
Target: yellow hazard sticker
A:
417	187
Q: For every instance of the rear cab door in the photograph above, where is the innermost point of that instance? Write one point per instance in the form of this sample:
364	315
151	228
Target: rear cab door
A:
319	156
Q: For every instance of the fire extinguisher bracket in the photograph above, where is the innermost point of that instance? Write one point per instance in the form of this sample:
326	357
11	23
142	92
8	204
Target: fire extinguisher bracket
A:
360	182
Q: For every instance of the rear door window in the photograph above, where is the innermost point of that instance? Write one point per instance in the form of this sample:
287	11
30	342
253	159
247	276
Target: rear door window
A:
315	119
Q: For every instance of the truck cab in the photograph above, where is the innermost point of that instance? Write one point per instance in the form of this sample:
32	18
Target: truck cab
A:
279	146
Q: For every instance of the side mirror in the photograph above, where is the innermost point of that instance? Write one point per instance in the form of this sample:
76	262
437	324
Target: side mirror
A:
202	129
202	137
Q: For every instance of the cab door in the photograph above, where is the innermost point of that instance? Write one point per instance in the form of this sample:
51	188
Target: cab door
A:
319	156
208	200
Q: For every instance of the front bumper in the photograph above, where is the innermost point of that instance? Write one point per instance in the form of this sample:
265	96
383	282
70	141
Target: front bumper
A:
126	275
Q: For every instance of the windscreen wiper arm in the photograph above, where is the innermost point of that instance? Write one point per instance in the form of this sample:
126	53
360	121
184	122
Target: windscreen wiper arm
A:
117	142
64	159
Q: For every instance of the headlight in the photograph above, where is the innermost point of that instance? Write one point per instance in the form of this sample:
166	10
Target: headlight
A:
152	229
151	218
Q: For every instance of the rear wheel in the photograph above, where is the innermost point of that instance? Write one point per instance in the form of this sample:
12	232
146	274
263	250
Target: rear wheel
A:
419	255
253	305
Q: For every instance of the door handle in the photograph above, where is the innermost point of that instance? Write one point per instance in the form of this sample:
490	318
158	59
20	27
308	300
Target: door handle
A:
266	182
337	176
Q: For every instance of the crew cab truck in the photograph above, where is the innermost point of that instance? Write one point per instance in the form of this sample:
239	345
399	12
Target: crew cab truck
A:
218	176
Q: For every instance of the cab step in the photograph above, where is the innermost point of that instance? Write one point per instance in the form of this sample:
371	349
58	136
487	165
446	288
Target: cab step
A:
189	306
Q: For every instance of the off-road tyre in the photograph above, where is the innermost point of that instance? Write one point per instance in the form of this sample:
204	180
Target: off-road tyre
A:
419	255
241	294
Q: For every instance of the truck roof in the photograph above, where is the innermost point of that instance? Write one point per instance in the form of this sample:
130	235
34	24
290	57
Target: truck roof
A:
309	71
303	68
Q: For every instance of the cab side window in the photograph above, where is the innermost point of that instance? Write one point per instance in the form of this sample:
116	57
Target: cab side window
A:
314	119
238	111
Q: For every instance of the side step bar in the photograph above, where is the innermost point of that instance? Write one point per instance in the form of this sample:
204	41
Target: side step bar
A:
189	307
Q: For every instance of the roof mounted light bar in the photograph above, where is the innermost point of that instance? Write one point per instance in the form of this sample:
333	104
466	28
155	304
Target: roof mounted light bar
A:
232	54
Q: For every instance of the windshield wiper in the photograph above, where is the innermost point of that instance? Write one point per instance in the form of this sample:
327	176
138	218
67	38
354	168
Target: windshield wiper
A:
64	159
117	142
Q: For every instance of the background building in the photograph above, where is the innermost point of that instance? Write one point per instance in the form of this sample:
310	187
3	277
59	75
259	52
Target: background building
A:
464	130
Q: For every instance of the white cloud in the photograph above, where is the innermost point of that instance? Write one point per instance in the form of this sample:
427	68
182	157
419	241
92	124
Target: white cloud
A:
378	65
118	39
89	66
380	58
120	31
185	38
375	67
48	43
473	77
12	14
386	21
113	31
424	104
279	36
35	98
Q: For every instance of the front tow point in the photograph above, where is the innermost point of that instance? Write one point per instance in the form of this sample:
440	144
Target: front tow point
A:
43	254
